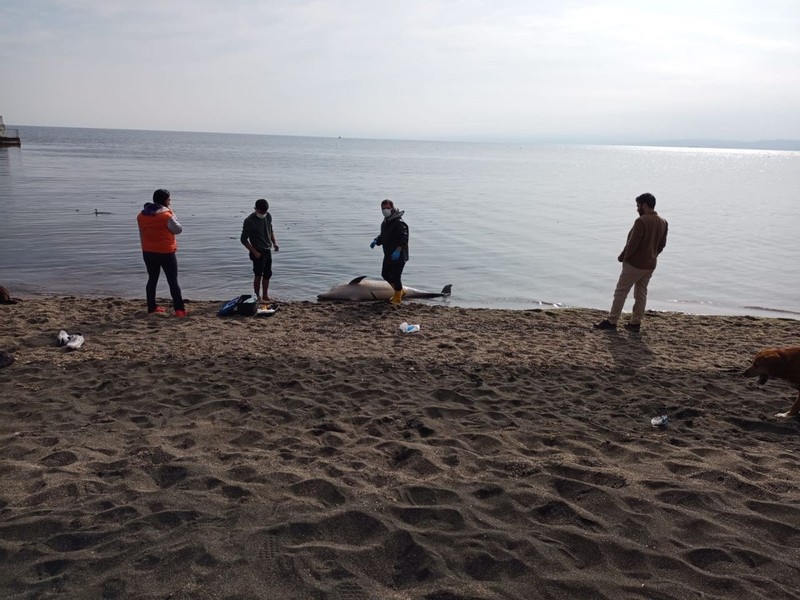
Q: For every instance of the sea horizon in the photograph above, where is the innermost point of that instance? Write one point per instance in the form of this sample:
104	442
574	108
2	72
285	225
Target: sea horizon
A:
783	145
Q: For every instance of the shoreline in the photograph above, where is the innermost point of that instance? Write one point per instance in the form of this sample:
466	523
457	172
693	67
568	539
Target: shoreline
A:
727	311
322	453
99	313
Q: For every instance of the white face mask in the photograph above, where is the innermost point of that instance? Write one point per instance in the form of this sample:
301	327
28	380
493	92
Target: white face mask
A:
260	216
387	212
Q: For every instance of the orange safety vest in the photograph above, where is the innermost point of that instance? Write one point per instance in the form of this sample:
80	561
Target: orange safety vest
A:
154	233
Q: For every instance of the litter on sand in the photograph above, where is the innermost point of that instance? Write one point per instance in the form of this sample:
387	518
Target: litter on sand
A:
266	310
71	342
409	328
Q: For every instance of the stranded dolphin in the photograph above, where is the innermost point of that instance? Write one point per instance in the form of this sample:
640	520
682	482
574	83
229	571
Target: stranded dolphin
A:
362	289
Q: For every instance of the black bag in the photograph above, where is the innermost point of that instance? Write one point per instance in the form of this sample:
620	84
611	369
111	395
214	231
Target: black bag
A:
245	305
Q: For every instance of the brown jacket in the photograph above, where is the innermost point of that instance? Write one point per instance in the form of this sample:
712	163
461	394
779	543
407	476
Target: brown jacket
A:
646	240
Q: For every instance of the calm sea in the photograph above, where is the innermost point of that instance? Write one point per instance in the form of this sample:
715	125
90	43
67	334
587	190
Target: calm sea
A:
510	226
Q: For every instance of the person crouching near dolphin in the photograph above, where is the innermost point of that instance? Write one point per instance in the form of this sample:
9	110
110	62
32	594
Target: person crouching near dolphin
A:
394	239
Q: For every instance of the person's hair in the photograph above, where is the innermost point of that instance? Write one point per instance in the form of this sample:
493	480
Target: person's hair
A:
648	199
389	202
160	196
262	205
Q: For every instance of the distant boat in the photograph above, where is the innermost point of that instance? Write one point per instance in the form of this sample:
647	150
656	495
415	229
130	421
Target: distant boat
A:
9	137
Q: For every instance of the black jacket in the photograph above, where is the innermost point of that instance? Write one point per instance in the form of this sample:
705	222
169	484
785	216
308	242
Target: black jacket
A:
394	233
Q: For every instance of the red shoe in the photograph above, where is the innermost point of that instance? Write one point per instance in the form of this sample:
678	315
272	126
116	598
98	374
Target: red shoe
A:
158	310
180	314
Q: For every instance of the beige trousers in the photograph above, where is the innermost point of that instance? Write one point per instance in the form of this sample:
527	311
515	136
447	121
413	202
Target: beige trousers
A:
638	279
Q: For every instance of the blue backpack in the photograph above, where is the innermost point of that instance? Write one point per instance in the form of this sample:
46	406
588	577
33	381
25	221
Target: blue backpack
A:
245	305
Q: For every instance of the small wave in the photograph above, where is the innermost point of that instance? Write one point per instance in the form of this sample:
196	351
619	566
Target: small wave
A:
701	302
775	310
547	304
725	307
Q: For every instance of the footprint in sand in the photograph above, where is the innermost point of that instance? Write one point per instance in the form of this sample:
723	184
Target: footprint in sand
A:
348	590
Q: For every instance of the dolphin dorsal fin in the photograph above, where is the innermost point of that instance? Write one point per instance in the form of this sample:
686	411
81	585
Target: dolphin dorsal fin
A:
357	280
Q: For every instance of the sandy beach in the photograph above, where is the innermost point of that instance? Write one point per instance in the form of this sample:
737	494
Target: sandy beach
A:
323	454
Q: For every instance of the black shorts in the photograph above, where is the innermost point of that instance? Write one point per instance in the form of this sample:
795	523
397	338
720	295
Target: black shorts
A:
262	266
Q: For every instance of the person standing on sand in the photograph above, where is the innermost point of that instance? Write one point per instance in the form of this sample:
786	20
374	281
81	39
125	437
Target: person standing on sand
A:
157	230
646	239
259	239
394	239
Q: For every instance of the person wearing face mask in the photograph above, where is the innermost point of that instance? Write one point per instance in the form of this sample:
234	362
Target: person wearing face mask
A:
394	239
646	239
259	239
157	230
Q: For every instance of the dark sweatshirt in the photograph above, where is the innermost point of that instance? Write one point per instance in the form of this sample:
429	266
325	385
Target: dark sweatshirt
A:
258	231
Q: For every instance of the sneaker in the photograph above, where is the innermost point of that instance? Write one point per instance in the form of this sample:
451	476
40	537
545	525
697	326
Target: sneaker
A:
633	326
158	310
605	324
75	342
180	314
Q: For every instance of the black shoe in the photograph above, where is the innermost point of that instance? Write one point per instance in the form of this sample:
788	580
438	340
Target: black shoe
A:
633	326
605	324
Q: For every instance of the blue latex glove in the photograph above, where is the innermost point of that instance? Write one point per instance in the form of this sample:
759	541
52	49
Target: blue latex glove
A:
396	254
373	242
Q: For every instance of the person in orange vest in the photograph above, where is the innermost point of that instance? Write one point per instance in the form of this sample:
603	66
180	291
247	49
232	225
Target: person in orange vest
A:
157	230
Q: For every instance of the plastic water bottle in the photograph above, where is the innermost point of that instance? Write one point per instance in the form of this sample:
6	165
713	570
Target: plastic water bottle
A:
408	328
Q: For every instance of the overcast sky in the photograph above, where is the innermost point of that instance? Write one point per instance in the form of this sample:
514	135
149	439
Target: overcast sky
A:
604	70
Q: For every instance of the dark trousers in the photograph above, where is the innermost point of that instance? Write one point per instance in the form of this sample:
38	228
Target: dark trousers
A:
392	272
155	261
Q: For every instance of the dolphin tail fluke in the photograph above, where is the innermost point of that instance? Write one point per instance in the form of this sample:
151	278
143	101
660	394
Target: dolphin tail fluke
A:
447	289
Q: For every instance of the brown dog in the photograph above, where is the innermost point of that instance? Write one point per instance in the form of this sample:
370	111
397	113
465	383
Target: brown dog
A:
5	298
779	363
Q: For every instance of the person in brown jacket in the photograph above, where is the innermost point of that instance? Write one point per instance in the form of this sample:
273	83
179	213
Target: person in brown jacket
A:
646	240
